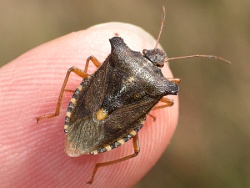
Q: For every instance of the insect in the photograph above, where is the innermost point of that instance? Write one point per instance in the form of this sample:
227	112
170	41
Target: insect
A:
109	107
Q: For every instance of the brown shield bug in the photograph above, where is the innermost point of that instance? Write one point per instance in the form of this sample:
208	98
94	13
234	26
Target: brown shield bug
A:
110	106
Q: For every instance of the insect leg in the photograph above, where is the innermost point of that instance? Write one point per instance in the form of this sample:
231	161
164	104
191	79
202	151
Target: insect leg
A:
78	72
153	117
94	60
69	90
136	152
167	102
175	80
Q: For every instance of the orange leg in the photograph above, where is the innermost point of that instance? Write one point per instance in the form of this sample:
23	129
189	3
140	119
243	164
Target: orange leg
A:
94	60
175	80
68	90
136	152
167	102
78	72
153	117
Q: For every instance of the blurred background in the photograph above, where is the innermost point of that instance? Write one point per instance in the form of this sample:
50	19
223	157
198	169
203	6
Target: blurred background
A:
211	146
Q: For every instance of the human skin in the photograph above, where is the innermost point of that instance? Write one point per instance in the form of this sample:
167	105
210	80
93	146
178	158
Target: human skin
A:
31	153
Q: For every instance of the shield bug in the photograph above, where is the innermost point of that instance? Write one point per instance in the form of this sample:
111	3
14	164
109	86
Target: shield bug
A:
109	107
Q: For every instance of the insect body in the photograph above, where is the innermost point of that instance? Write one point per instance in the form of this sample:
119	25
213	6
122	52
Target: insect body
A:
109	107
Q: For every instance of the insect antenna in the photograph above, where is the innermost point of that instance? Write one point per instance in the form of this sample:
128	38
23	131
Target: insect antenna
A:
200	56
162	24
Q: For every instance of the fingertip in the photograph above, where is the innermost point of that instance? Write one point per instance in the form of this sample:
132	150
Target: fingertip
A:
39	74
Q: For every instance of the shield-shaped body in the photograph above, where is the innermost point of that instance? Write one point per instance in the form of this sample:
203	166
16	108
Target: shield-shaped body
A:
110	106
